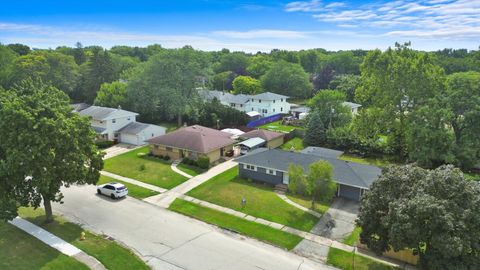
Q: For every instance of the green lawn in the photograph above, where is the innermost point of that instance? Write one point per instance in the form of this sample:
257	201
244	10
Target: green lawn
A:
366	160
296	143
277	126
353	238
192	170
154	171
249	228
133	190
109	253
472	176
21	251
227	190
344	260
320	207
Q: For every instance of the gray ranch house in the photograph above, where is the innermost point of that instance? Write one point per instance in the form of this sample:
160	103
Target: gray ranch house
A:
271	166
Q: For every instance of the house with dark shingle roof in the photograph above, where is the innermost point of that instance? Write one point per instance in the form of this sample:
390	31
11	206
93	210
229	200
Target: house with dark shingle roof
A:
192	142
273	139
271	166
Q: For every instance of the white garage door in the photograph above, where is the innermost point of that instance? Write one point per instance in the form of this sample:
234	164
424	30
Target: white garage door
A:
129	138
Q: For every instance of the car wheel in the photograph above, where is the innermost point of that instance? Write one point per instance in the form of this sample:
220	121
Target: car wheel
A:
112	196
99	192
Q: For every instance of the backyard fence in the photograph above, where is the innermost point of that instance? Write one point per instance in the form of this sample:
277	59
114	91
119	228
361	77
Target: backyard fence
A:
265	120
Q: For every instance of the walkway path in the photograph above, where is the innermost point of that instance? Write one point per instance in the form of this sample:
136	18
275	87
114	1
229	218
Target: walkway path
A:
57	243
133	181
166	198
287	200
177	170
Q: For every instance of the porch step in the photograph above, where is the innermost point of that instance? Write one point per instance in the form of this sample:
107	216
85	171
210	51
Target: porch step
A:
281	188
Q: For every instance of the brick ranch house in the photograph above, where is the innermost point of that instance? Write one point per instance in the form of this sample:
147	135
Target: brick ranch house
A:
192	142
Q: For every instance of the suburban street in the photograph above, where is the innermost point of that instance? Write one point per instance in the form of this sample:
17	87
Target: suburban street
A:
167	240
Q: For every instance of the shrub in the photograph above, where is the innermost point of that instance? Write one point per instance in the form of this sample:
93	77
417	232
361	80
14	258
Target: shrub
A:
104	144
142	167
167	158
203	162
186	160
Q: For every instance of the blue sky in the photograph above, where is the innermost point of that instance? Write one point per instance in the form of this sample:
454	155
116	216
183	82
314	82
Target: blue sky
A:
244	25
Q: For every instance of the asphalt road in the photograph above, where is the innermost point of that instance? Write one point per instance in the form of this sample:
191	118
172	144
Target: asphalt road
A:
168	240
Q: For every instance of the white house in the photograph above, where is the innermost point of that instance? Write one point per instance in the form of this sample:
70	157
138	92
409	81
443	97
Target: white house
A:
266	104
118	125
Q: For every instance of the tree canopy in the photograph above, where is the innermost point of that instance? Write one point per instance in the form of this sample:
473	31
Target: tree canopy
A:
246	85
435	213
44	146
287	79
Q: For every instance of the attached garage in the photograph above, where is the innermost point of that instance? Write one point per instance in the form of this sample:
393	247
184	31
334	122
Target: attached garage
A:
137	133
349	192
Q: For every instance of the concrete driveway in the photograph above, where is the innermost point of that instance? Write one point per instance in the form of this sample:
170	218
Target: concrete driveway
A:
339	221
118	149
168	240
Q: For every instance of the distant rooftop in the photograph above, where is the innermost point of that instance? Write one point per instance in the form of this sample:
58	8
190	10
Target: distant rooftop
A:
104	113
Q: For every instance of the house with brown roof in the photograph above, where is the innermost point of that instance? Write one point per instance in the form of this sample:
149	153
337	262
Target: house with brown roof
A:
273	139
192	142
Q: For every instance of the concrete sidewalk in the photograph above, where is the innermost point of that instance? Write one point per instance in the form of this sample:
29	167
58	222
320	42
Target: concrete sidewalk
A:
177	170
287	200
57	243
166	198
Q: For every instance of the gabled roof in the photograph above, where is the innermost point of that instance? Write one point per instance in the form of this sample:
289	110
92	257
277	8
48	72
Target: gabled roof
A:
267	135
195	138
269	96
104	113
136	127
322	152
223	96
344	172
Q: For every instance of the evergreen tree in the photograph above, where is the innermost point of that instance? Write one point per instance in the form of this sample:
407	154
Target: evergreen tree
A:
315	134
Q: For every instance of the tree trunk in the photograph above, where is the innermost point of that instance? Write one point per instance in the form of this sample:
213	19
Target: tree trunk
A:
48	210
179	120
313	202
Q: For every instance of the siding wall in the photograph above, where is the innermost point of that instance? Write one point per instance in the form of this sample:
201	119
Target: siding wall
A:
260	175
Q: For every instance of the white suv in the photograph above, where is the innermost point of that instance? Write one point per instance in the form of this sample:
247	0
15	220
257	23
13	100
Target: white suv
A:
114	190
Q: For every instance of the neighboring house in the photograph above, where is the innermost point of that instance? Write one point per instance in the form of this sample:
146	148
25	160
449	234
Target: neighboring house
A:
234	131
251	144
271	166
300	112
117	124
192	142
137	133
265	104
273	139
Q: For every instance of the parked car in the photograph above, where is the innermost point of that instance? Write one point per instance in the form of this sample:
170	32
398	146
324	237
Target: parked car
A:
114	190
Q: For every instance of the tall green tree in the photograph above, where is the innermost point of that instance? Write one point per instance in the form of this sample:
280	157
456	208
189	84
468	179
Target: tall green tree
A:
44	147
20	49
315	133
7	58
398	81
259	65
287	79
462	97
329	106
112	95
246	85
347	84
434	213
165	87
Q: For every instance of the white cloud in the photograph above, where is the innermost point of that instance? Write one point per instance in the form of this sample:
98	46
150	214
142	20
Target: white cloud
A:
306	6
261	34
335	5
456	19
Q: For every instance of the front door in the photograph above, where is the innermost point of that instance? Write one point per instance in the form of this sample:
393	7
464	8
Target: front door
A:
285	178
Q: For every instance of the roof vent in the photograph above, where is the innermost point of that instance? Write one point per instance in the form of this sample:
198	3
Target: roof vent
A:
119	107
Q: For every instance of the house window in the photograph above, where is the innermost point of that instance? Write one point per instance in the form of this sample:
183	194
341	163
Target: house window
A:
273	109
273	101
264	111
250	167
232	104
259	101
271	172
241	105
128	119
114	121
252	108
153	134
281	109
169	149
281	100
